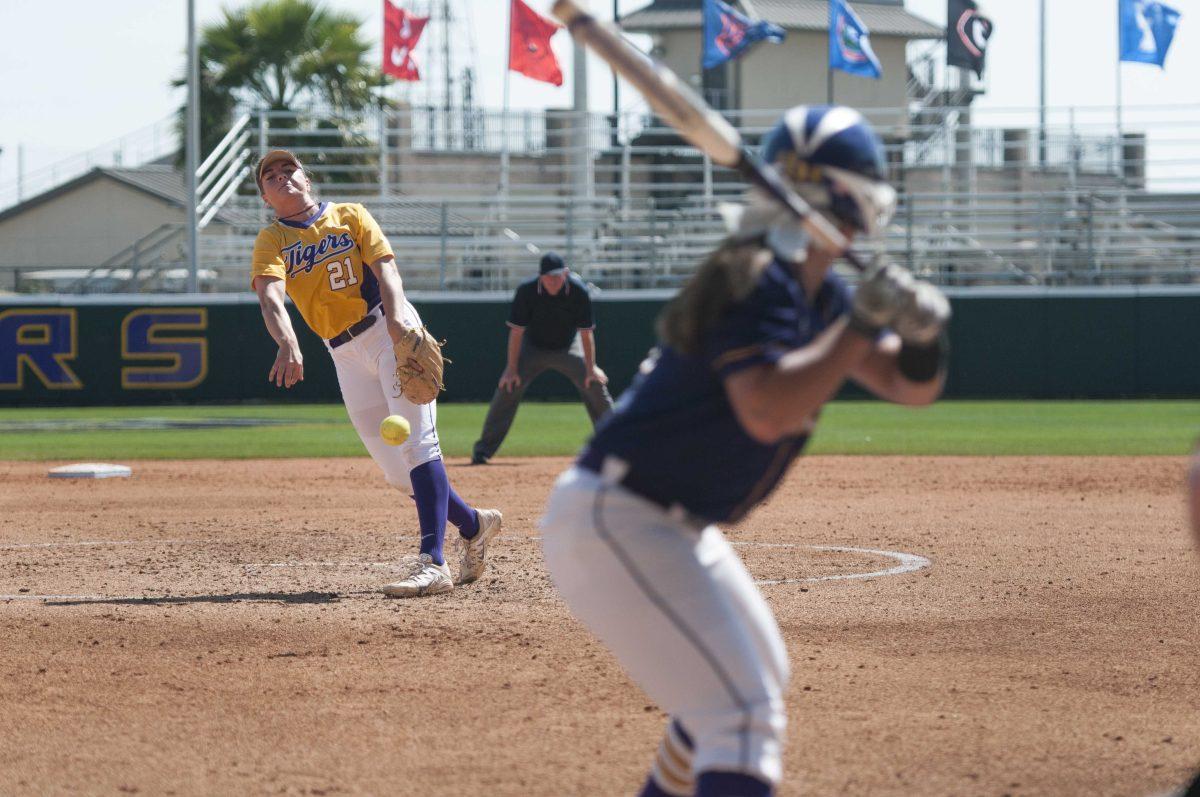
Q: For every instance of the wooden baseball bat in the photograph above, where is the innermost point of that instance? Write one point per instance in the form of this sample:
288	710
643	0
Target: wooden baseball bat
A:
692	118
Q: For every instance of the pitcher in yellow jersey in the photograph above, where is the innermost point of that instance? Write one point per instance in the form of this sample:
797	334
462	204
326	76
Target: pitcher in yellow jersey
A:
336	265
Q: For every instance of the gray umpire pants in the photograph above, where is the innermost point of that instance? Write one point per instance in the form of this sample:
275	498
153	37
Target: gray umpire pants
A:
531	362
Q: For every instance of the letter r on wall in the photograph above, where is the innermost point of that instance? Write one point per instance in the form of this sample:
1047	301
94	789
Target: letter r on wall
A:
43	340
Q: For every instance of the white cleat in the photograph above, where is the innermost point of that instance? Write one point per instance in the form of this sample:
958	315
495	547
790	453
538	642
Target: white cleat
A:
426	578
474	551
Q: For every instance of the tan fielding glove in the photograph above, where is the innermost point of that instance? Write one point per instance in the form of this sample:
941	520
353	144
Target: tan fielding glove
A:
419	365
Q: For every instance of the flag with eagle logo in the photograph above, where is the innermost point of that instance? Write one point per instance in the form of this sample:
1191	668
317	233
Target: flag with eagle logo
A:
529	45
728	34
850	42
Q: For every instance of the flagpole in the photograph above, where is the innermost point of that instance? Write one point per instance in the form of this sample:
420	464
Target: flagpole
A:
1120	123
1120	102
748	7
504	114
192	147
383	133
1042	86
449	75
616	83
1120	129
581	140
829	59
1120	144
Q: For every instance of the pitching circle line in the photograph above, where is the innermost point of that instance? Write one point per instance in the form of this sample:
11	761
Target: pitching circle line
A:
906	563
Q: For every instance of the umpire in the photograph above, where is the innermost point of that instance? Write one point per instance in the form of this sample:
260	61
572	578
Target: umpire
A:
550	326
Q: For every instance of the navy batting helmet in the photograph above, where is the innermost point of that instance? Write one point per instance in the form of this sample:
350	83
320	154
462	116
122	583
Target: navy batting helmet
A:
833	159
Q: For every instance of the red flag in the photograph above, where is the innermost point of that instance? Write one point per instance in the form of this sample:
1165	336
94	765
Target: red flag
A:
529	44
401	32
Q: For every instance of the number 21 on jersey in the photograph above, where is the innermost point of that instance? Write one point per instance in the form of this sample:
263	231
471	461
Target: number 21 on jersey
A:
341	274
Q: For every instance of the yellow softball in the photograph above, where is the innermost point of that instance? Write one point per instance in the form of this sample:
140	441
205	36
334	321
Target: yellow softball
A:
394	430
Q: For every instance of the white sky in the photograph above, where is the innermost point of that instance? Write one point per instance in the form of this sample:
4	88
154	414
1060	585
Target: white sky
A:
97	71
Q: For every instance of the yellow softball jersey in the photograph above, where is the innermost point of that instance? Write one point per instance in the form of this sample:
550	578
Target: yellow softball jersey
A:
323	263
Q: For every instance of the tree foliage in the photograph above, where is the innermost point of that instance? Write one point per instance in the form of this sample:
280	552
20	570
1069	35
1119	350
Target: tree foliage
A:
281	55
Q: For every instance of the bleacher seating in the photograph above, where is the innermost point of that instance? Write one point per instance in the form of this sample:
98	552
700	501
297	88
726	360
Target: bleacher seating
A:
632	207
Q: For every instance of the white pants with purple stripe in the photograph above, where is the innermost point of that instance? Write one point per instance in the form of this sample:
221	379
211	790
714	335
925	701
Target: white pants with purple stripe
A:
681	613
366	372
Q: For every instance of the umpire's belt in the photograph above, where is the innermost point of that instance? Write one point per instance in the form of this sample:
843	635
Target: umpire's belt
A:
354	330
614	470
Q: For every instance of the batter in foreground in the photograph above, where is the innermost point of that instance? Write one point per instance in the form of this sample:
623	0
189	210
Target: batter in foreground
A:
1193	501
750	350
336	265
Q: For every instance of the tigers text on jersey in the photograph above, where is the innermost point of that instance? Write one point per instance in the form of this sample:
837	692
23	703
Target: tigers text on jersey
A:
675	428
323	263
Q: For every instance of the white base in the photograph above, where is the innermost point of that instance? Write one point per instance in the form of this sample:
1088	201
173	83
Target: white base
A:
90	470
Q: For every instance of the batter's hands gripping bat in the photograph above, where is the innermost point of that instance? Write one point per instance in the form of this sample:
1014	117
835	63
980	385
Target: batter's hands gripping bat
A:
683	110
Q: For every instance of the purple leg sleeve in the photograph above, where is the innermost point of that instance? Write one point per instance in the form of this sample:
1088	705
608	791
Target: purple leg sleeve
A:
431	490
462	515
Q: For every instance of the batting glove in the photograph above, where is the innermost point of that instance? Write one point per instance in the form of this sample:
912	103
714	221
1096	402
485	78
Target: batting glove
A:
922	315
879	298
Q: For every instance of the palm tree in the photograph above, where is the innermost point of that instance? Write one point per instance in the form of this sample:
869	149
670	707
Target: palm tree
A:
281	55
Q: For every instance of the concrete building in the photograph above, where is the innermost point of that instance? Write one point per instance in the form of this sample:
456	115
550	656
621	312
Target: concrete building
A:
107	226
773	76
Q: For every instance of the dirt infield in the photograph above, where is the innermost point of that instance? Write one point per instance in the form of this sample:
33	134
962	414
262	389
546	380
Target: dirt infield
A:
211	628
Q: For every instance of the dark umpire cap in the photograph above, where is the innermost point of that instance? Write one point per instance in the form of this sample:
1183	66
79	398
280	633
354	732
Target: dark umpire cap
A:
274	156
552	263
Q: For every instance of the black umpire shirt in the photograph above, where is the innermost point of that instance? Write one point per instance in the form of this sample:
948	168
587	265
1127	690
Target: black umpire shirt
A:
551	321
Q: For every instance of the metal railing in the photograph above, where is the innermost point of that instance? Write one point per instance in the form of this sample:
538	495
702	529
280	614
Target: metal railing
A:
986	197
223	171
155	141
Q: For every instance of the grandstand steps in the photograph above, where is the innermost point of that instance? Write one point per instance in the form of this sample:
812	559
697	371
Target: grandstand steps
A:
641	210
448	243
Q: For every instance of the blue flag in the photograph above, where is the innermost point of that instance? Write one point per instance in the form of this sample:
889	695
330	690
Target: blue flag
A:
1147	28
728	34
850	42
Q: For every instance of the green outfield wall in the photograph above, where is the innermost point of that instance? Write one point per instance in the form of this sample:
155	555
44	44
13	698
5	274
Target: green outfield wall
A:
1066	343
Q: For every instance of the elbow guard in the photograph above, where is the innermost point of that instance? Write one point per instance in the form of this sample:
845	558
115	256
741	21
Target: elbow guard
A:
923	363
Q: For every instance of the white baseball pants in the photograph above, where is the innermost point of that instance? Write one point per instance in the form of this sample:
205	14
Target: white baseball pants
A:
366	371
680	611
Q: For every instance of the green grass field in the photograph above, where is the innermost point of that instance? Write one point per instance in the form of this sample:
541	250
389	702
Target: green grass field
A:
983	428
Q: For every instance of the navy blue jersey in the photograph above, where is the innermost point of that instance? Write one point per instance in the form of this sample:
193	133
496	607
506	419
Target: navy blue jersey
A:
675	426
